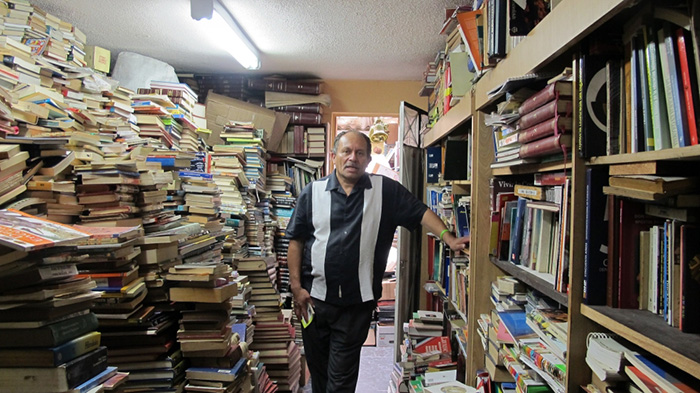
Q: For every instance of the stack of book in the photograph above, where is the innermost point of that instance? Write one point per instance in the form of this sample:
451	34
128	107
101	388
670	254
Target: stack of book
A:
205	334
262	274
543	127
427	360
235	379
12	164
48	335
508	294
152	129
110	262
259	376
282	357
202	199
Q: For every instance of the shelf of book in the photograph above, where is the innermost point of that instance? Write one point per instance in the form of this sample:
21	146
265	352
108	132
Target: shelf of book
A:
533	280
455	117
651	333
681	153
553	36
525	169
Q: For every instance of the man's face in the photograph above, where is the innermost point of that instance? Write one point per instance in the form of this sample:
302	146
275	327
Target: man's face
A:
351	157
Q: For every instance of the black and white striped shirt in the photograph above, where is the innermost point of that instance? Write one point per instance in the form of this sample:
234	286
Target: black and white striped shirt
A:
347	238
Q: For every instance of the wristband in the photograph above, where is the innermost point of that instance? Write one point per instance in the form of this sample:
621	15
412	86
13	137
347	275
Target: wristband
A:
442	234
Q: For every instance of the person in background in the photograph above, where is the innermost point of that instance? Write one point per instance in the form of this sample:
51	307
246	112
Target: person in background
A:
340	235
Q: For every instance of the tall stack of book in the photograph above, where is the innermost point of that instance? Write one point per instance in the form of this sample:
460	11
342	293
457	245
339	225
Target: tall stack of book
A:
262	274
173	162
139	337
205	333
48	335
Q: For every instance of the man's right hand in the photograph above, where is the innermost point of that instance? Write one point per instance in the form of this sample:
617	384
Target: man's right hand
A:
301	299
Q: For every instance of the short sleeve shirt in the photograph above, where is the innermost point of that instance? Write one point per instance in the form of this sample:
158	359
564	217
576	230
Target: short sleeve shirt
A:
347	238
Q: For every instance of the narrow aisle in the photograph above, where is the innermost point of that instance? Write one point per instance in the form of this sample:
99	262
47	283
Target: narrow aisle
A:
376	364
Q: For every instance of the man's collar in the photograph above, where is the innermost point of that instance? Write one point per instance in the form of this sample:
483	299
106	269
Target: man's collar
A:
334	184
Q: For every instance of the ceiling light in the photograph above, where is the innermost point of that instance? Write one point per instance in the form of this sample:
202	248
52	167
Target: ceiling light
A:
225	33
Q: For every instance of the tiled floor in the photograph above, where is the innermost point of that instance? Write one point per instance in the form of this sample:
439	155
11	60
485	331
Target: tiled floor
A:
376	364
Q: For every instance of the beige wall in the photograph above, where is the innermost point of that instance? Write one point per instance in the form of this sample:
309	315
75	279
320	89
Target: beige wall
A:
367	96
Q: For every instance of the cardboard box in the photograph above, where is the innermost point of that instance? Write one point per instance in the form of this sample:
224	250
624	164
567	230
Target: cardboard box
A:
221	110
388	289
98	58
385	336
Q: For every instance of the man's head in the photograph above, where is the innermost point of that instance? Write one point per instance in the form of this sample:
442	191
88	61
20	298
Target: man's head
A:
351	154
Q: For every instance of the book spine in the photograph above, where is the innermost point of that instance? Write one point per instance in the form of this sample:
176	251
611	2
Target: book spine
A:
595	260
538	99
542	147
557	125
545	112
517	231
306	108
85	367
74	348
613	250
688	92
299	87
659	117
303	118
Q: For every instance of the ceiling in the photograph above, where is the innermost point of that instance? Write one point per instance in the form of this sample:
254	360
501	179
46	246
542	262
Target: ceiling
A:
328	39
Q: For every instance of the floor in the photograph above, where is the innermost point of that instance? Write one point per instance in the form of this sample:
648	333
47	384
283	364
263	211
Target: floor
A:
376	364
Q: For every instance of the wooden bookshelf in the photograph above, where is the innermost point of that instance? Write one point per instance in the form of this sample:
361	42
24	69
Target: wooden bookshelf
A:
532	279
561	30
651	333
691	153
531	168
454	118
549	45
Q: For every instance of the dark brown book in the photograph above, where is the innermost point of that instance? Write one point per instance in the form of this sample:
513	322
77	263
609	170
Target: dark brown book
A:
547	146
292	86
547	111
306	108
303	118
558	89
557	125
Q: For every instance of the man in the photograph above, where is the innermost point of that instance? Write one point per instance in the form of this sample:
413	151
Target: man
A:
341	233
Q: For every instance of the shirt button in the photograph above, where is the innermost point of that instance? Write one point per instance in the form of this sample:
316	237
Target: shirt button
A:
345	232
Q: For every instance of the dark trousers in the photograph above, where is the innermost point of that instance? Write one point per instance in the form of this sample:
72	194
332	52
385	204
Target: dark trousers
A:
333	342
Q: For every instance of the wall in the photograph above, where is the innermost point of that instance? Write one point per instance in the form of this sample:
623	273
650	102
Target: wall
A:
367	96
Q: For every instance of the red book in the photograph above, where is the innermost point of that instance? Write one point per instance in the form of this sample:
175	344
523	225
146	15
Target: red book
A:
547	146
545	112
550	92
632	222
613	261
686	75
557	125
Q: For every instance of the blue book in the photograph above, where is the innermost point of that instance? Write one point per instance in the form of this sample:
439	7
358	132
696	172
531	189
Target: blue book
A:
462	219
200	175
516	231
516	324
96	380
433	164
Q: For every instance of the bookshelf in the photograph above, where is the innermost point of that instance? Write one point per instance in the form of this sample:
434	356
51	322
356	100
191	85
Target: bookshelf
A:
651	333
551	46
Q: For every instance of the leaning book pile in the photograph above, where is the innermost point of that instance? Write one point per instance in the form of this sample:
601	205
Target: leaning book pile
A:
542	130
48	336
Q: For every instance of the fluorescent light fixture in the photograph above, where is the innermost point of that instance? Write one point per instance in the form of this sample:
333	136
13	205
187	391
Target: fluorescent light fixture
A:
223	30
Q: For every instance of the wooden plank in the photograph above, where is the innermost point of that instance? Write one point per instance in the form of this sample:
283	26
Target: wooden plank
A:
579	326
651	333
531	168
481	272
454	118
529	279
690	153
558	32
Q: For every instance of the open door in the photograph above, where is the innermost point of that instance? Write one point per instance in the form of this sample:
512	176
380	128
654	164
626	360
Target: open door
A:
412	120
